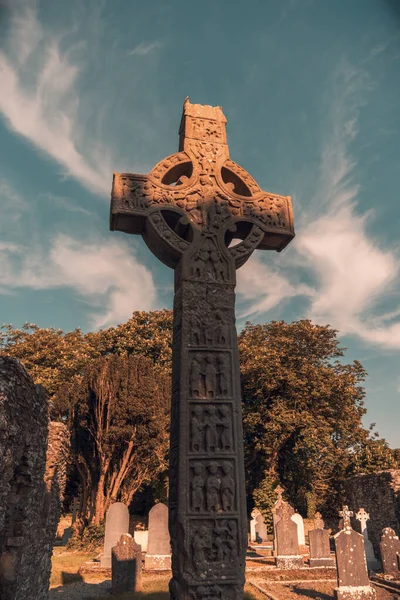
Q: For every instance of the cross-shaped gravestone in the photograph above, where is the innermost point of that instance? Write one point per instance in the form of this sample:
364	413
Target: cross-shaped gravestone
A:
189	209
372	563
346	514
279	491
363	517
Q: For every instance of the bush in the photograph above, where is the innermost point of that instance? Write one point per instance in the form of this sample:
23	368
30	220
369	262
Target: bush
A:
91	539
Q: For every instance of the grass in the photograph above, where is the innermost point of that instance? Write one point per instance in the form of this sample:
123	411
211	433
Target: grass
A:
65	566
155	587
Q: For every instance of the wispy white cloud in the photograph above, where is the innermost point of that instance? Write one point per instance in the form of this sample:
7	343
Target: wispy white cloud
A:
351	270
142	49
104	273
39	98
261	288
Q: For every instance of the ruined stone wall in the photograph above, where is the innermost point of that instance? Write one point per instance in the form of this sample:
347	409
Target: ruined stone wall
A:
379	495
29	493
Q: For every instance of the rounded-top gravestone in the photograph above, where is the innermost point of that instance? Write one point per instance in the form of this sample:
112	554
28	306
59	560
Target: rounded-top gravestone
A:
117	523
159	546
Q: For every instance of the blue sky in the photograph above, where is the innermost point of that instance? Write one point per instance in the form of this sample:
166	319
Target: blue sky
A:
311	91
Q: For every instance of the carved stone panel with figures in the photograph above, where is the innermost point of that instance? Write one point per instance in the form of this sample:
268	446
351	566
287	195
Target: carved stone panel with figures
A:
212	486
210	375
211	428
189	209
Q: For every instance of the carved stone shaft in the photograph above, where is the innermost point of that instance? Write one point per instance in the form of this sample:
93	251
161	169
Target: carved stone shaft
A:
188	210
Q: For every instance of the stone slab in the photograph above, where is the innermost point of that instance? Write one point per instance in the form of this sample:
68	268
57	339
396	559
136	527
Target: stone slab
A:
289	562
154	562
322	562
362	592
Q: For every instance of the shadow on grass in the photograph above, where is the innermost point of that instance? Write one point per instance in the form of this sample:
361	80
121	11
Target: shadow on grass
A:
67	578
311	593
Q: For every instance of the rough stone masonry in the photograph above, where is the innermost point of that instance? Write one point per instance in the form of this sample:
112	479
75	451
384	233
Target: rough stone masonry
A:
188	210
30	485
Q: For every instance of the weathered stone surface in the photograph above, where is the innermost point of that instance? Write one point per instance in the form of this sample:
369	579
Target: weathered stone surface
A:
379	494
353	581
372	563
320	554
29	484
188	209
126	566
390	552
158	555
117	524
258	528
286	541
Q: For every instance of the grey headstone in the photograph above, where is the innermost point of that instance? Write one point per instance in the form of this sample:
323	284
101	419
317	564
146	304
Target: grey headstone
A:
351	567
320	555
117	523
126	566
158	555
287	545
390	552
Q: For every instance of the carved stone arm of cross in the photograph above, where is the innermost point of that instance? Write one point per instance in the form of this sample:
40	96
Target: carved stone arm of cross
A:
200	190
346	514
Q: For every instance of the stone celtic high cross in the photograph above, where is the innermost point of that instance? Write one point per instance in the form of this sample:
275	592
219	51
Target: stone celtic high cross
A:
189	209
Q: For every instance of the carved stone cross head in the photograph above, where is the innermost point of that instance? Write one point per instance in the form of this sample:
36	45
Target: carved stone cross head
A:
200	197
362	516
279	491
346	514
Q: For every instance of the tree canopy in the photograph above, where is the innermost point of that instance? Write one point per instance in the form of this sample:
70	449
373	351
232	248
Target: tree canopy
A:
303	412
302	406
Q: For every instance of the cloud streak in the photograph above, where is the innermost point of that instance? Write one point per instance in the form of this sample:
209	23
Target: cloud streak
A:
350	270
39	99
104	273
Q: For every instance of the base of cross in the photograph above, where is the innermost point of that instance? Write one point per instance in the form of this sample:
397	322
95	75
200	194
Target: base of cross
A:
322	562
289	562
357	592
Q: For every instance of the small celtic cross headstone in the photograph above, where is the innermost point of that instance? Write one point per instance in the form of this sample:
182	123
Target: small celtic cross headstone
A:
372	562
189	209
345	513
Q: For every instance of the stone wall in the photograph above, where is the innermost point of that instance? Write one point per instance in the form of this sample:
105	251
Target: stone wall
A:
29	486
379	495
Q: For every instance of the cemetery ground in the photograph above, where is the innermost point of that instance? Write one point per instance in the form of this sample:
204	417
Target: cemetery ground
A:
66	583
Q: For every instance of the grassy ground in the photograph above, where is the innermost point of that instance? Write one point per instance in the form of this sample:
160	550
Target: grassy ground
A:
155	587
65	566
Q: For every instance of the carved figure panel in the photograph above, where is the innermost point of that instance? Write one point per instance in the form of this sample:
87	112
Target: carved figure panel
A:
212	486
208	263
214	592
211	428
210	375
214	547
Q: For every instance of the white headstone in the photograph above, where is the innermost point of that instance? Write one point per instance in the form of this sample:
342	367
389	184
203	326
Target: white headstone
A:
141	537
260	528
298	519
117	523
372	562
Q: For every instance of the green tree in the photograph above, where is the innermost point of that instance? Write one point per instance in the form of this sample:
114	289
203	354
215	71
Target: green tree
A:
118	412
54	358
302	412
